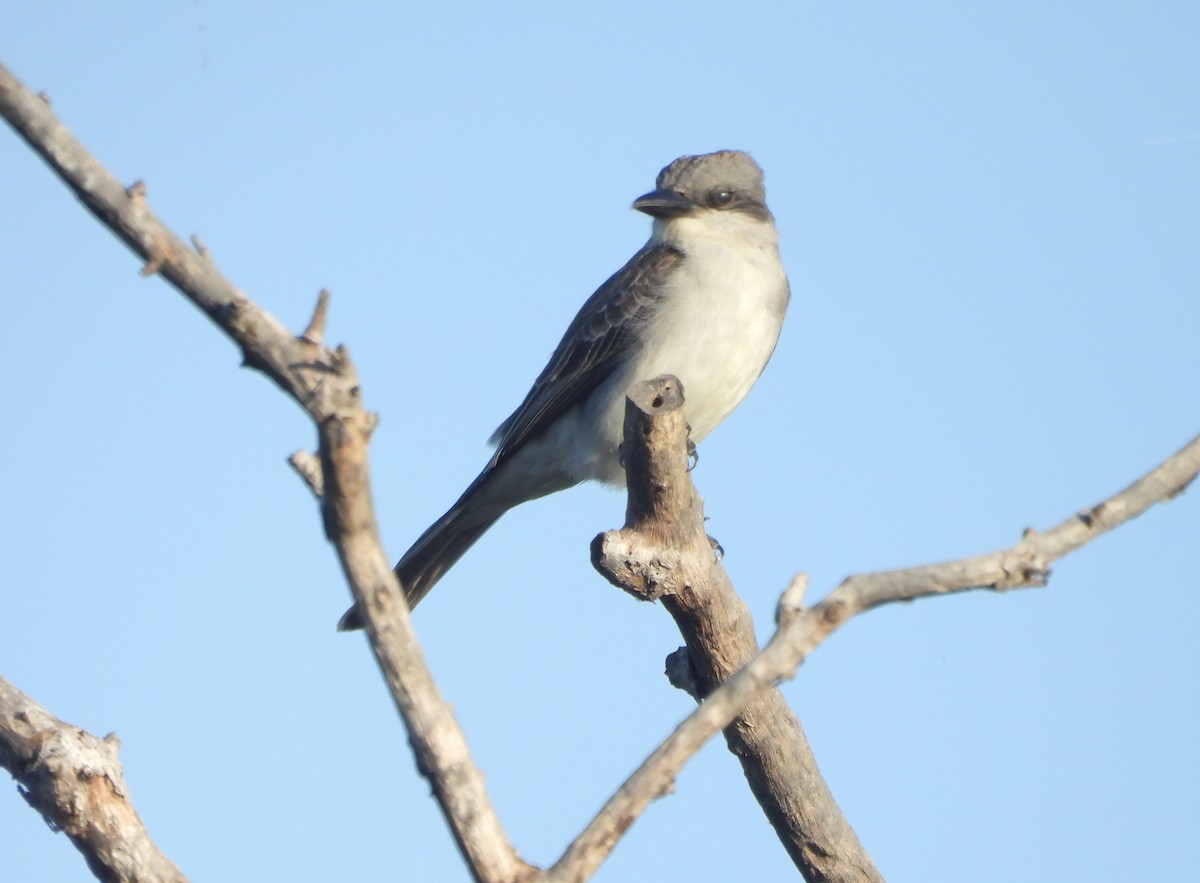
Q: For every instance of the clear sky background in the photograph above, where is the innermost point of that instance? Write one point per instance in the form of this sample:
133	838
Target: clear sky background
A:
990	214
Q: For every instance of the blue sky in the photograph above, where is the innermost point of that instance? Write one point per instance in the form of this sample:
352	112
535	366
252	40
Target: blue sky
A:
989	215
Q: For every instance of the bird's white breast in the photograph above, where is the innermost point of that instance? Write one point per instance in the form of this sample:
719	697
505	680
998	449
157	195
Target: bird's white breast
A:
715	329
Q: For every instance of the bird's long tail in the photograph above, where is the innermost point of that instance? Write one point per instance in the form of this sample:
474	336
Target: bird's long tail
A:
437	550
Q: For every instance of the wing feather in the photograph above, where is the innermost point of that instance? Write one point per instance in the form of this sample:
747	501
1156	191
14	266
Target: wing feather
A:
599	338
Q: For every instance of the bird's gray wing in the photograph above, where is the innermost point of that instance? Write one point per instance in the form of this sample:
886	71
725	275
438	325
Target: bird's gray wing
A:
598	339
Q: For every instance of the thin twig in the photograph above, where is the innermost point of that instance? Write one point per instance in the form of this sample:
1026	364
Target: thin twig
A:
315	332
308	468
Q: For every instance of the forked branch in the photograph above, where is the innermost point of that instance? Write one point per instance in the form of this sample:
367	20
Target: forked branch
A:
323	382
645	559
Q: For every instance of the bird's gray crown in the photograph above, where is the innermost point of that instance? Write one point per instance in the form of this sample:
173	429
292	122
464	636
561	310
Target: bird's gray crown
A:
694	175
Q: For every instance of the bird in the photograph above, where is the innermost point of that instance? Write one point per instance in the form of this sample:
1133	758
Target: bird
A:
704	299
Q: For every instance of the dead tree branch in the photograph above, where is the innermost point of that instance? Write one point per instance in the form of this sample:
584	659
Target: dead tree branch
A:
645	559
323	382
76	782
1024	565
663	553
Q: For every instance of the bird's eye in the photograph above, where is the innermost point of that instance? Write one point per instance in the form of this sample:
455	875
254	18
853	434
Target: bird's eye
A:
722	197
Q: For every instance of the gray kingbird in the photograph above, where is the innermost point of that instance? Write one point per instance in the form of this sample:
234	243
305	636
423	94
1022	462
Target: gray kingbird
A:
704	300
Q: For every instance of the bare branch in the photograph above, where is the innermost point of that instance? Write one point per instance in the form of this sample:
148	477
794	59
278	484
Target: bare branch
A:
663	553
802	630
76	782
1023	565
325	384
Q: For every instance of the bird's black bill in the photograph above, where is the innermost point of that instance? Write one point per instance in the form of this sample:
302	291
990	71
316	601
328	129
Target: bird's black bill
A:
664	204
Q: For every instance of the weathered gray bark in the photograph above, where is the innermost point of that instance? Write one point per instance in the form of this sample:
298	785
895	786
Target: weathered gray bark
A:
663	553
324	383
76	782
